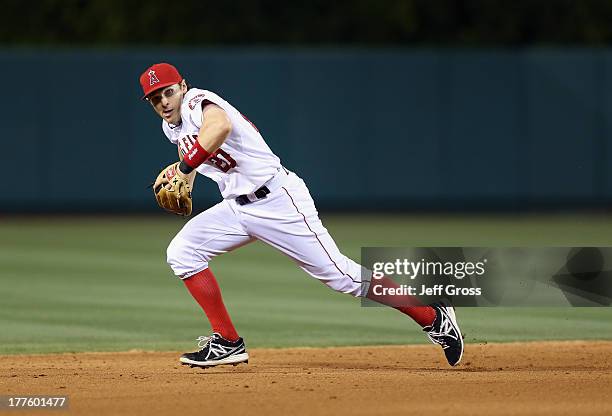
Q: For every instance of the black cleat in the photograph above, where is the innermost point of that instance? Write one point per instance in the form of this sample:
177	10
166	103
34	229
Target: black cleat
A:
445	332
216	350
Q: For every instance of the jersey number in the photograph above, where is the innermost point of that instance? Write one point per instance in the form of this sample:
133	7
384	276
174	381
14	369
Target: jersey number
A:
222	160
219	159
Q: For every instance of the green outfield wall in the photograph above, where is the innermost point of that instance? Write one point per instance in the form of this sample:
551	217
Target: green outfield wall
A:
396	129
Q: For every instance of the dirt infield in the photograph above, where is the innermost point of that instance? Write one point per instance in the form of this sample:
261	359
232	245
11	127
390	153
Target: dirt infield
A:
558	378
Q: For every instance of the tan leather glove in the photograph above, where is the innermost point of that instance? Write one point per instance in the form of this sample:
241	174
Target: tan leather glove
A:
172	191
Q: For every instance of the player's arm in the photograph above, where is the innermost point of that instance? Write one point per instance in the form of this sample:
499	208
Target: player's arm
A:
216	127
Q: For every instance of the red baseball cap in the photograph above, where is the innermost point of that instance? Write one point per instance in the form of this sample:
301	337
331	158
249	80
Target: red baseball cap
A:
158	76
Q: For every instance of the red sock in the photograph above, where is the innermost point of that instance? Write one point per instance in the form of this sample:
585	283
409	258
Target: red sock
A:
422	314
205	290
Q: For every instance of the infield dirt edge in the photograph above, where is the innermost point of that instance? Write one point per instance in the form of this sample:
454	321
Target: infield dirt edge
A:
564	377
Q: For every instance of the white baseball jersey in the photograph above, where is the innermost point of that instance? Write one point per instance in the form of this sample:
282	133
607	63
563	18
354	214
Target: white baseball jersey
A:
243	163
286	218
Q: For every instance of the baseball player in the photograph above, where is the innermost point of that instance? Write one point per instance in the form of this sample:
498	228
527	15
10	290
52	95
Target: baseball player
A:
262	200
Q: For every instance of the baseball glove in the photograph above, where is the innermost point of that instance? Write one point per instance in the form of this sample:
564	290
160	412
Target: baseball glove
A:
173	192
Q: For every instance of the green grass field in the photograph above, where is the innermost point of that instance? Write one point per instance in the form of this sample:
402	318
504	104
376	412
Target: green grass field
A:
102	284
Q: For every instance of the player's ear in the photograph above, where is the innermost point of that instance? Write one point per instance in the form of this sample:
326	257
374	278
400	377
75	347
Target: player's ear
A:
183	86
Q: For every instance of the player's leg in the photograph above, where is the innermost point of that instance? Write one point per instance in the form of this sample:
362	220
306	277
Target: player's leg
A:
285	220
209	234
288	220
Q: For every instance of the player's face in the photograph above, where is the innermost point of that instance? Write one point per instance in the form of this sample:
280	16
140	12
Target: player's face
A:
167	102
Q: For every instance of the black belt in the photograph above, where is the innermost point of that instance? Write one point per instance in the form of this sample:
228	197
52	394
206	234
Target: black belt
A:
261	193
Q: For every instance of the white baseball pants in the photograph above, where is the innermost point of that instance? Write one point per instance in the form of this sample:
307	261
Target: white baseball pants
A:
287	220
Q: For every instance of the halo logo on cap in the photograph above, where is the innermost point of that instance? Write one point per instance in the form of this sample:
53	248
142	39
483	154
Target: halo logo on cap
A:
158	76
153	78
